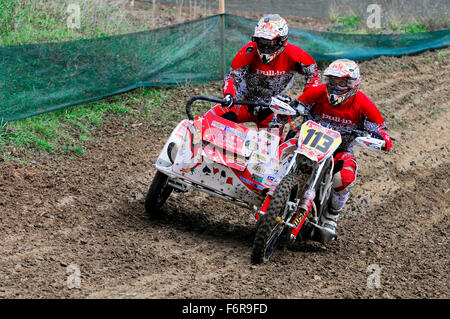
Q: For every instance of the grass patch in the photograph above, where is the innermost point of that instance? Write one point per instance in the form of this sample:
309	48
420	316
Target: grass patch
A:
399	122
408	27
433	111
68	130
351	22
345	20
442	54
35	21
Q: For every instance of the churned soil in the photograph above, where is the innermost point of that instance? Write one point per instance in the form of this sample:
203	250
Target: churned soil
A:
86	214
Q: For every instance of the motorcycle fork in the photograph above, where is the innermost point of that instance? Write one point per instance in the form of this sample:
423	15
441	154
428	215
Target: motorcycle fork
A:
307	202
264	207
266	203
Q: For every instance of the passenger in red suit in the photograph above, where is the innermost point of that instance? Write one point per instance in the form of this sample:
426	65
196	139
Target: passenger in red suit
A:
262	69
340	105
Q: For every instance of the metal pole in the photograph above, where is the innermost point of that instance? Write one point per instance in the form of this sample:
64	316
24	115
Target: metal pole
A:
222	37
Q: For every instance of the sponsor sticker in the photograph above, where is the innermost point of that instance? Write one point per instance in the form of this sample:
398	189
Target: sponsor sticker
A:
257	178
251	145
218	125
246	180
259	169
299	218
258	187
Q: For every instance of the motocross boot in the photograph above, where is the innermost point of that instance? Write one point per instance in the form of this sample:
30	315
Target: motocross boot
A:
328	225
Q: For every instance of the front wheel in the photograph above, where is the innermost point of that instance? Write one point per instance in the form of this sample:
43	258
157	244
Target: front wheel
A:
272	223
157	195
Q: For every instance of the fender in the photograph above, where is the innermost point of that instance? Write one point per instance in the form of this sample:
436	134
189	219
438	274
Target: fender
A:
176	137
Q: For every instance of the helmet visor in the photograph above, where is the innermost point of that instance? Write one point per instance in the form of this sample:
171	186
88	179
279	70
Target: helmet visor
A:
335	81
266	46
336	85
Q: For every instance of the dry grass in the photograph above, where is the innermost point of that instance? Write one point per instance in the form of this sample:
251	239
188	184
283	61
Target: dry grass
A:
397	16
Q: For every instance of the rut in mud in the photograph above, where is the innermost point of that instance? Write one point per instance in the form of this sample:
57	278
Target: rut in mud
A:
89	212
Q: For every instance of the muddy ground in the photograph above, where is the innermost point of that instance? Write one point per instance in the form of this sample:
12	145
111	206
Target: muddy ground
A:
86	213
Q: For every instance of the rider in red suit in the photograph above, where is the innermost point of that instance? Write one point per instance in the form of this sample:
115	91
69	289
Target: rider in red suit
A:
340	105
262	69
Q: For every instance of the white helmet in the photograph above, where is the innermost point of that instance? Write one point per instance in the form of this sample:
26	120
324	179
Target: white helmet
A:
271	34
342	78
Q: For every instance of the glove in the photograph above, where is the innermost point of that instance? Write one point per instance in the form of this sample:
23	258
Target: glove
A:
298	106
228	100
387	139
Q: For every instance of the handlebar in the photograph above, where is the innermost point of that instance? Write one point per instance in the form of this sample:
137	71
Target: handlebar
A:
216	100
361	136
355	133
365	139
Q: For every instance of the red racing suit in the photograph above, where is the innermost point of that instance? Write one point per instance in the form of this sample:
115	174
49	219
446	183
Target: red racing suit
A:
250	79
359	112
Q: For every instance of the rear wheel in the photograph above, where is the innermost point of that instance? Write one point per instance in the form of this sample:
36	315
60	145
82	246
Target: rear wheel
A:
157	195
272	223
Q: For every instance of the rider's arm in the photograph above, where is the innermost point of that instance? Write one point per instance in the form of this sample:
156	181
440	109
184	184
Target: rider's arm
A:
239	68
233	81
305	65
308	99
373	121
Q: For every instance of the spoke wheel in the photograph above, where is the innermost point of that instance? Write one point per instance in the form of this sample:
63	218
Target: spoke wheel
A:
272	223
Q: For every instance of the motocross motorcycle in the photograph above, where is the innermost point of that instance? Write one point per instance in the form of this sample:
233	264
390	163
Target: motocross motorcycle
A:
288	184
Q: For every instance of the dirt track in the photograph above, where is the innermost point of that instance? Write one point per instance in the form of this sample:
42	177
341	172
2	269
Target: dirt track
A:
88	211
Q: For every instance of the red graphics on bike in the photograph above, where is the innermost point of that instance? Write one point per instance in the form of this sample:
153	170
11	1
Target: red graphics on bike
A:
225	141
245	157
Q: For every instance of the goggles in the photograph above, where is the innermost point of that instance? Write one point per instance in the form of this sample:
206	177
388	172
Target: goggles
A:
339	83
266	46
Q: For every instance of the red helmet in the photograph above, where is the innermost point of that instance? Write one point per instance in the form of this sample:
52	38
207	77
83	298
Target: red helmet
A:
271	34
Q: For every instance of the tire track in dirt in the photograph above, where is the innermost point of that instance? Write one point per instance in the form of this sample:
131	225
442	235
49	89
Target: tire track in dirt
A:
89	212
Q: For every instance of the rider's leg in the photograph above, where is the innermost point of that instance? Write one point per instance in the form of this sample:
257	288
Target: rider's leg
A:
344	177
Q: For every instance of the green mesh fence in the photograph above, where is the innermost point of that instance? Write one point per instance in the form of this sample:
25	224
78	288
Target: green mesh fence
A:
44	77
325	46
